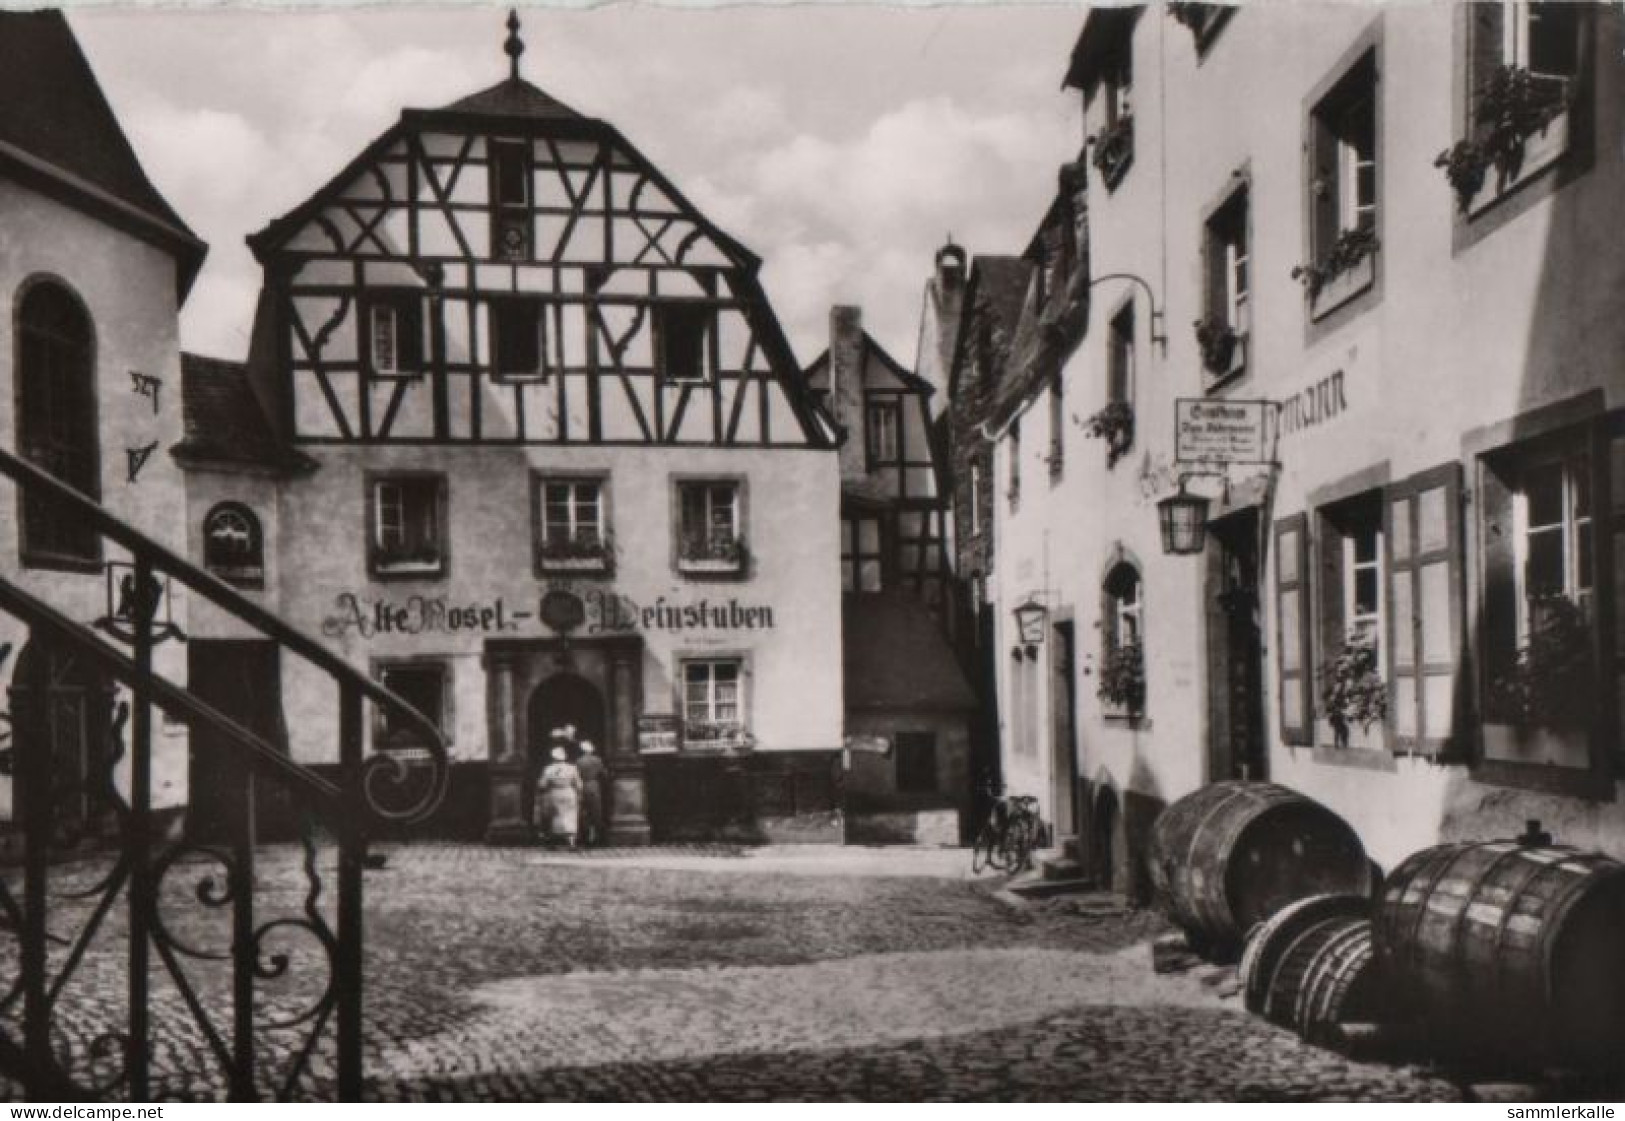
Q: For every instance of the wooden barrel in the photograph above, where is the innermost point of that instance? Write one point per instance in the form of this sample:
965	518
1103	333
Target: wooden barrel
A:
1292	971
1510	950
1269	940
1341	985
1232	854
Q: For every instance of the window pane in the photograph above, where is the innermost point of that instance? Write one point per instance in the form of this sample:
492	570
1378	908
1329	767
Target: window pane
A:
1543	494
869	536
1365	591
870	572
1543	572
511	171
383	338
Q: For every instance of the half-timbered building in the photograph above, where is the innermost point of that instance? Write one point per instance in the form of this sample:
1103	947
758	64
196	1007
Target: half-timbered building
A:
907	703
538	451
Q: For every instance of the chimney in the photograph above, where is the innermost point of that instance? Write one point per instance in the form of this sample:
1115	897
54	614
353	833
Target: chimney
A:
846	383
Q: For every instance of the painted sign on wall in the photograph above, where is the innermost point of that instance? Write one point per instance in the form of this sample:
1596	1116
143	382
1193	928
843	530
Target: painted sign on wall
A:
1315	405
602	612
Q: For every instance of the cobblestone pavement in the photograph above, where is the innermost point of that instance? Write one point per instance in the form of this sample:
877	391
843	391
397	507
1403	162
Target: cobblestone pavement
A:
736	974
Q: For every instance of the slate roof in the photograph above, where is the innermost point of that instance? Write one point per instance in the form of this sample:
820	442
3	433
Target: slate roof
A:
896	658
225	425
515	97
57	129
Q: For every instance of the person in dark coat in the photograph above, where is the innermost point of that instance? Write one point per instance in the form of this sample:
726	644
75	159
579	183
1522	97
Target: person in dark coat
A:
591	770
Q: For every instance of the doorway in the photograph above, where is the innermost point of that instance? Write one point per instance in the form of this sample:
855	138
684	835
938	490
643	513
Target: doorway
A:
1063	728
563	699
1236	650
61	699
241	678
1103	839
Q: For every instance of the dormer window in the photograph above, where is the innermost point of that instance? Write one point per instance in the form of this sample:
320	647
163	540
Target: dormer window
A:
395	335
510	200
518	341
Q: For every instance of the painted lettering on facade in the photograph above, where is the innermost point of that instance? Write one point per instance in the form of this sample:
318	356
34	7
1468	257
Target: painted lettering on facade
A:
1315	405
606	613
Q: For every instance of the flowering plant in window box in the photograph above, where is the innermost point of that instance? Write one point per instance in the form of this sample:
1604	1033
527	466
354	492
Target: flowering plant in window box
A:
1115	425
1219	343
581	551
1114	148
1550	683
1122	679
701	735
1350	249
1352	690
716	552
1509	109
420	557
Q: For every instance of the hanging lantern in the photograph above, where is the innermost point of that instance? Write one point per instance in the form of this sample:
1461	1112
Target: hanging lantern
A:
1030	617
1183	520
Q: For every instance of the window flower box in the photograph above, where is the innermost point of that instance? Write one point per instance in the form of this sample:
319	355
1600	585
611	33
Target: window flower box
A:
1122	681
1348	268
1224	350
716	739
719	553
424	559
1115	425
580	553
1353	695
1521	128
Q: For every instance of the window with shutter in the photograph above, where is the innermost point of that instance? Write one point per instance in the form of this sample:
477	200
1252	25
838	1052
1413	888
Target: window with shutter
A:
1423	534
1343	177
394	325
1292	615
1522	78
1550	527
407	518
1222	334
1613	585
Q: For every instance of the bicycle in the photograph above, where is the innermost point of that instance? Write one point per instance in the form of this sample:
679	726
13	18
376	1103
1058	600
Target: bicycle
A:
1006	840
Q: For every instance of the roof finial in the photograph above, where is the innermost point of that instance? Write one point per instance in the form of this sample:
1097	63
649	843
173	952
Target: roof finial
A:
515	46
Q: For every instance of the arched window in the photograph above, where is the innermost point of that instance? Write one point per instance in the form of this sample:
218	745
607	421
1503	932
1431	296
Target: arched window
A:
56	423
1122	668
233	546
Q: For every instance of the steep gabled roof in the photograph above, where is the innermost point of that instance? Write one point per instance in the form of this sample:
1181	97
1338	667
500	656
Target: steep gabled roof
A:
57	131
996	290
514	97
225	426
871	347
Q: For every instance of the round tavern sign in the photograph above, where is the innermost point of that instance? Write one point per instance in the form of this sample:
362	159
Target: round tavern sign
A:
563	611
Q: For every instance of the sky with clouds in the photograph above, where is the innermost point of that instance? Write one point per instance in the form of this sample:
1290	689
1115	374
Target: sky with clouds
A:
841	144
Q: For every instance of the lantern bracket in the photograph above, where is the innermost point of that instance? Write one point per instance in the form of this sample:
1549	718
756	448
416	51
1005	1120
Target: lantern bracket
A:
1159	336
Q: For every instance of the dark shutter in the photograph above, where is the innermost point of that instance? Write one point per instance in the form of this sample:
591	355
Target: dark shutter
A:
1292	621
1328	551
1323	189
1484	51
1213	301
1422	529
1498	629
1611	573
409	334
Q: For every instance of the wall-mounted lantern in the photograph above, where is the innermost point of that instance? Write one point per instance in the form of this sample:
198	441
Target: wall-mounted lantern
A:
1183	520
1030	616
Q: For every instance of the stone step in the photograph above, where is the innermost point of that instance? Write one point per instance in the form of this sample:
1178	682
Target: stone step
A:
1043	887
1061	868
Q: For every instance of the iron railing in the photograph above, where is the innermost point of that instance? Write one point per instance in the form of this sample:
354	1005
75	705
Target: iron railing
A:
56	925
